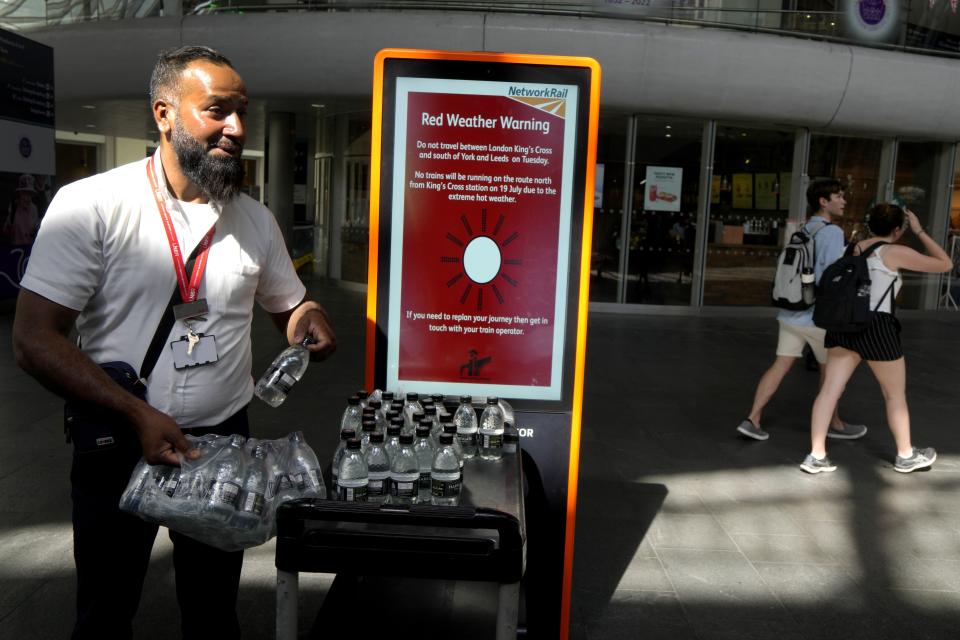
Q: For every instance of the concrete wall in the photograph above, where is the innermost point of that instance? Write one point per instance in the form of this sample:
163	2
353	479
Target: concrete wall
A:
647	68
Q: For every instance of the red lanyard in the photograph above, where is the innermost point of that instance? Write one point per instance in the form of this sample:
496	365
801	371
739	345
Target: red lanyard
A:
187	291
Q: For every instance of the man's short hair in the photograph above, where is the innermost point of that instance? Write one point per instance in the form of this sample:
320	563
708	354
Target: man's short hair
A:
165	79
823	188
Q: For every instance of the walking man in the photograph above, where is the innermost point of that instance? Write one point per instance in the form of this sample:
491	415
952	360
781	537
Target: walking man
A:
826	202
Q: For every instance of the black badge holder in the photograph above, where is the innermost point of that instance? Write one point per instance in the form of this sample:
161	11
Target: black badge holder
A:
91	428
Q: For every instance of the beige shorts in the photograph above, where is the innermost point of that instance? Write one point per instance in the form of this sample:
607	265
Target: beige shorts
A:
793	337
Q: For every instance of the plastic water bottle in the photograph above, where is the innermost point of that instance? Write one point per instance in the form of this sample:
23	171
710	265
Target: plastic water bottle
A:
466	420
351	415
424	450
392	443
227	479
378	469
134	499
368	429
451	429
431	414
491	430
253	497
345	434
353	477
379	415
363	394
404	473
445	474
167	479
285	371
808	283
410	407
304	468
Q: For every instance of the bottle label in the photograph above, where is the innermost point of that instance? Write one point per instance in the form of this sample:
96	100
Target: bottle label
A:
425	479
445	488
299	481
352	494
252	502
282	381
492	441
467	439
224	493
375	488
403	488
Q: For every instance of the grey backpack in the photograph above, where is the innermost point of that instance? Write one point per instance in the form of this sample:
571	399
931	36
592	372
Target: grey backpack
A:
795	257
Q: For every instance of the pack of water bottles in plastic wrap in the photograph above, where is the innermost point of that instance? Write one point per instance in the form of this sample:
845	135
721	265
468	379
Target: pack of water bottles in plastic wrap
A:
227	497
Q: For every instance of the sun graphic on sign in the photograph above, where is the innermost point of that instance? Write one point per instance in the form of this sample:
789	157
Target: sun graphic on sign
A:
481	260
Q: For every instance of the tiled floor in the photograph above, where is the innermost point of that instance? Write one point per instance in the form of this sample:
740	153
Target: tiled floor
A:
684	530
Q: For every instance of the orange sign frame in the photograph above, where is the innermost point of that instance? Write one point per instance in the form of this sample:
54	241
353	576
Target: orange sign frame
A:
585	252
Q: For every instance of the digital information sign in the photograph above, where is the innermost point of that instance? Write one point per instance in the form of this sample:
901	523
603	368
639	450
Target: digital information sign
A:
481	203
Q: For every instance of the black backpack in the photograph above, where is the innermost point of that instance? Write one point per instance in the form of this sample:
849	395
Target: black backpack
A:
843	295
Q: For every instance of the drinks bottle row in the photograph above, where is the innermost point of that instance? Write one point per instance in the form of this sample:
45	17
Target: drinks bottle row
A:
228	496
413	451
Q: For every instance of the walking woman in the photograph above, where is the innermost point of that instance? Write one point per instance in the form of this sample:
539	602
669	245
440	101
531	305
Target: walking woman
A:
878	344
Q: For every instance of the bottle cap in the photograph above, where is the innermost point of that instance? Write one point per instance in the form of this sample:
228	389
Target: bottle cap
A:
393	430
376	437
346	434
413	397
437	398
446	417
367	411
368	426
362	394
446	438
397	422
423	431
449	428
466	399
430	411
375	404
493	400
353	401
353	443
425	423
392	415
406	438
387	396
418	416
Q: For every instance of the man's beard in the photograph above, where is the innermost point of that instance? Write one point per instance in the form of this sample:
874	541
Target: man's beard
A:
219	177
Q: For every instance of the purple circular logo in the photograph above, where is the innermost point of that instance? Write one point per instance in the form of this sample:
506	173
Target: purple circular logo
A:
872	11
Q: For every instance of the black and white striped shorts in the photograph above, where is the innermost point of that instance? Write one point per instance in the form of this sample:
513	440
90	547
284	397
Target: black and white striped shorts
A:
880	341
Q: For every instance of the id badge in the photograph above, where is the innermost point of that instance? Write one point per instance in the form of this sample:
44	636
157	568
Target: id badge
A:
204	351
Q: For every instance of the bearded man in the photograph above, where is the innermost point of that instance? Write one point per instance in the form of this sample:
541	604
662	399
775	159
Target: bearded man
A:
109	260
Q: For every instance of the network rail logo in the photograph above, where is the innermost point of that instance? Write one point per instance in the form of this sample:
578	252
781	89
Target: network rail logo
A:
552	100
541	92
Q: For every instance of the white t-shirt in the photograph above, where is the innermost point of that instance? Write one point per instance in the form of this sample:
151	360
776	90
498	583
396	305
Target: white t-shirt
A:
102	251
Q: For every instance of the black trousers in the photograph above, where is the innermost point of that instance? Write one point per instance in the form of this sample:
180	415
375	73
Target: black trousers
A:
111	550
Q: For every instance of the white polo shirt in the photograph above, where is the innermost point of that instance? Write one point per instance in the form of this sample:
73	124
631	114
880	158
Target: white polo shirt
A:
102	251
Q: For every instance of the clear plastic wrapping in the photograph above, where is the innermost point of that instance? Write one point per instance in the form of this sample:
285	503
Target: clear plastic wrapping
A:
228	497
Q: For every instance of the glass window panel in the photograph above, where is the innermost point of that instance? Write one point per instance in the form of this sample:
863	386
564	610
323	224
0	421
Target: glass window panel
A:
749	200
913	188
608	208
855	161
664	212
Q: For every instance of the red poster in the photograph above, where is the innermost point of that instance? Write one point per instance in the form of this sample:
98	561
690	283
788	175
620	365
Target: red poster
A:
482	211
